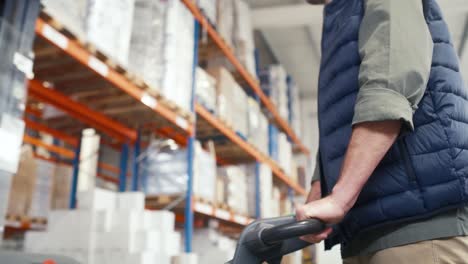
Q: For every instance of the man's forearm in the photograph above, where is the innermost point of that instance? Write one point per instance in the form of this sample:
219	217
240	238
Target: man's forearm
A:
369	143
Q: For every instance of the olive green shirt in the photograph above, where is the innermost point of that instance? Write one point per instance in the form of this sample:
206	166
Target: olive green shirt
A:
396	51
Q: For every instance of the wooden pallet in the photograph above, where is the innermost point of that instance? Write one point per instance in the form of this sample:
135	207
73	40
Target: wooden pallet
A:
26	219
73	78
161	201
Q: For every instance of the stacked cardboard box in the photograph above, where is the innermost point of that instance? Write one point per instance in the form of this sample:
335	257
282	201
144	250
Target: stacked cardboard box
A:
285	153
61	187
235	27
235	190
266	189
258	126
109	228
295	112
23	183
225	21
42	194
162	48
231	100
206	89
167	171
274	84
243	36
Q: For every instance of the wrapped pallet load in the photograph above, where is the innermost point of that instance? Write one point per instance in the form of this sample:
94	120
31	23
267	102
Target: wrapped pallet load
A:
243	36
43	189
109	27
274	84
71	14
235	192
206	90
23	184
61	187
266	189
162	48
167	171
257	126
107	24
225	21
231	99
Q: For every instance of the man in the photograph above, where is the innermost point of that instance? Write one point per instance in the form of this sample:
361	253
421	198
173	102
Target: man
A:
393	120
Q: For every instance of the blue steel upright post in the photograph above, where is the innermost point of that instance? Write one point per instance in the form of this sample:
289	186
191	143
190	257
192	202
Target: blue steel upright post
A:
76	168
136	154
123	168
258	206
188	225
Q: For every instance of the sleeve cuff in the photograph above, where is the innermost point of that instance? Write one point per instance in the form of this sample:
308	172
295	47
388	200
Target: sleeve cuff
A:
316	175
381	104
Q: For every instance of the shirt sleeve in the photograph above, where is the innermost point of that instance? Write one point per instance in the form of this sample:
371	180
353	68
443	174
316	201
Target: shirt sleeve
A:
396	51
316	175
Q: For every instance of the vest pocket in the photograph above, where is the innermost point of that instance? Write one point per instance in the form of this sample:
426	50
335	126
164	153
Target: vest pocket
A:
409	169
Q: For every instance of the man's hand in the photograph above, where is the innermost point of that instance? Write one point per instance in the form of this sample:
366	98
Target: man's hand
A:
327	209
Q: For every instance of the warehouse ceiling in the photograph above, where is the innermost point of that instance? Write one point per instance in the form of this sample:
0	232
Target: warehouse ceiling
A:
289	31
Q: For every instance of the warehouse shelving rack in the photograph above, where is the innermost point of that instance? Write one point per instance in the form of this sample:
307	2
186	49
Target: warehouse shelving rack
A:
64	61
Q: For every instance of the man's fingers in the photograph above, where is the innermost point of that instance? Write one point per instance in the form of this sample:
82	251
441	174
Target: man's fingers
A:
318	237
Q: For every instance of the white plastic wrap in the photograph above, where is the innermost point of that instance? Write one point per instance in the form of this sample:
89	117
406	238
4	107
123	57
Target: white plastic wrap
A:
236	188
162	48
225	21
167	172
273	81
206	89
258	126
243	36
71	14
42	194
285	153
108	25
231	101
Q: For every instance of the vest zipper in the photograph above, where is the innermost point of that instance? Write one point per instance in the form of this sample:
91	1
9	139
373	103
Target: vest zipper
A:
407	160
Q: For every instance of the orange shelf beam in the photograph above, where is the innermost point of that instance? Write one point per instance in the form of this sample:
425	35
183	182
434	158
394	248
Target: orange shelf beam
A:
248	148
76	51
57	134
59	150
81	112
244	73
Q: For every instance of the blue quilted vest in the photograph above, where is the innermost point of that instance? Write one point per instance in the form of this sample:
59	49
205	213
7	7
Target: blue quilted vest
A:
425	171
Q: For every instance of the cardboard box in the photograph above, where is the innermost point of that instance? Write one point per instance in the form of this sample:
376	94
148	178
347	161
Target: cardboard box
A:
126	221
131	201
159	220
97	199
22	184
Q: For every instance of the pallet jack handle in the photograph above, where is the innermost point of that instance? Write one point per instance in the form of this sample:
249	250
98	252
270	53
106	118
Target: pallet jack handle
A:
268	240
278	234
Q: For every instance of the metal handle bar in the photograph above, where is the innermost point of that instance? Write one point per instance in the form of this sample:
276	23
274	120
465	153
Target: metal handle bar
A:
277	234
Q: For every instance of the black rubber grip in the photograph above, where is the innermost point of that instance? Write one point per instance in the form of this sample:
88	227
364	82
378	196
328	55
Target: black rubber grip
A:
277	234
